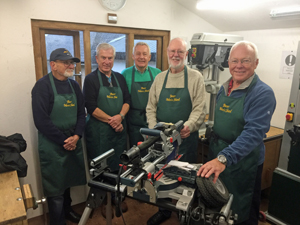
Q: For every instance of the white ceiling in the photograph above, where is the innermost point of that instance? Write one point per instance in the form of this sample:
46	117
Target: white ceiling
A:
244	14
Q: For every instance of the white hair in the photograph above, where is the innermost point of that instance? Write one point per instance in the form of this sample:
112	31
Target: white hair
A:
180	39
245	43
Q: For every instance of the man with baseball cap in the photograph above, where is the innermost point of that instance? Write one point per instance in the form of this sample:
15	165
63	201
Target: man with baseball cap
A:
62	54
59	116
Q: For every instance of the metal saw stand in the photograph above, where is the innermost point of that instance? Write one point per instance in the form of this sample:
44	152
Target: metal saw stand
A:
100	187
286	179
95	199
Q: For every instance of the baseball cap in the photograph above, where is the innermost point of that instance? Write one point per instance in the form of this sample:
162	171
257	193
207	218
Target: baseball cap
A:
62	54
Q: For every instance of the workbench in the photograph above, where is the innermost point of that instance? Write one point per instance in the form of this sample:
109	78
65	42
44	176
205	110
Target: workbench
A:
12	208
272	144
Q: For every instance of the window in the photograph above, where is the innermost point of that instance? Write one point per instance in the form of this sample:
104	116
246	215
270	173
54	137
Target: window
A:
82	40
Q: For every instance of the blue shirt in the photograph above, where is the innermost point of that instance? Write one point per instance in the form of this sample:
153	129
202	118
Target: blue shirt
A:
259	107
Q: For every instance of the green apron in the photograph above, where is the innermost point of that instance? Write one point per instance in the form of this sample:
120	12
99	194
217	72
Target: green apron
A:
175	104
100	136
60	168
136	117
240	178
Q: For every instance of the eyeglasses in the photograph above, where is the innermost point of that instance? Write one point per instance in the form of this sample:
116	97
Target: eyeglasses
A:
67	63
179	52
243	61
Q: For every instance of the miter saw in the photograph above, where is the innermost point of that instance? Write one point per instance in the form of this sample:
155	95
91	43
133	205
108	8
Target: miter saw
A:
159	176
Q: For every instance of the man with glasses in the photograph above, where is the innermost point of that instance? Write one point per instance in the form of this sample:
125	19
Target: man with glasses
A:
59	116
178	94
107	101
139	79
244	109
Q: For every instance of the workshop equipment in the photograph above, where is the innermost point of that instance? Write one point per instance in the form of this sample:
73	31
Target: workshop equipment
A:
146	179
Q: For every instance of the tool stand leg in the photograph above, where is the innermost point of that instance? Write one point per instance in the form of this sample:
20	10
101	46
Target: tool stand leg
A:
94	200
85	216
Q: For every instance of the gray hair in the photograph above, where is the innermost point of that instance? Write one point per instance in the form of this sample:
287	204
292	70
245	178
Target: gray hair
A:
180	39
105	46
141	43
245	43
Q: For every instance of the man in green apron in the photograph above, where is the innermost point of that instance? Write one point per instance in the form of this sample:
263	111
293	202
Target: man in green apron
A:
59	115
244	109
139	79
178	94
107	102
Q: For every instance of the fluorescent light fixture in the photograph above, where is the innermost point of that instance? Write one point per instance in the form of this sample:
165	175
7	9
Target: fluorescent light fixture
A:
285	12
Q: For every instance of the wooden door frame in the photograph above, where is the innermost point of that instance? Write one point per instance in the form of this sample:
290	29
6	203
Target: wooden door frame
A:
38	25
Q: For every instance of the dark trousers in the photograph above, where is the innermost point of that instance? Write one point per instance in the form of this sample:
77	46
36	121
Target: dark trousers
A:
58	206
254	211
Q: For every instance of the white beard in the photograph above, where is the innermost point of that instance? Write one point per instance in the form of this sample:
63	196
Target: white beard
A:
69	73
175	67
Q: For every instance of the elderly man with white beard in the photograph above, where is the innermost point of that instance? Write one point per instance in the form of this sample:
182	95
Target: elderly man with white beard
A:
178	94
59	115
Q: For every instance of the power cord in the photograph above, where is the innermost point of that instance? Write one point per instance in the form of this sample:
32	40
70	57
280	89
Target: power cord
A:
119	197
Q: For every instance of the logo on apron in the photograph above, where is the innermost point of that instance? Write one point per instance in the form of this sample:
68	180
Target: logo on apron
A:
173	98
69	104
225	108
143	89
112	95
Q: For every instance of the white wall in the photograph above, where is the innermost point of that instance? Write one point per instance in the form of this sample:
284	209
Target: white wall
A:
17	71
271	43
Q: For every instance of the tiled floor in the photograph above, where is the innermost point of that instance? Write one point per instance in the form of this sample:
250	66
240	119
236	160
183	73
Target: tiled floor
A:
137	214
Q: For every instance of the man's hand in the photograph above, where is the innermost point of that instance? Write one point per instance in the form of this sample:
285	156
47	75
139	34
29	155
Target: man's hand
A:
115	121
213	166
185	132
119	128
70	142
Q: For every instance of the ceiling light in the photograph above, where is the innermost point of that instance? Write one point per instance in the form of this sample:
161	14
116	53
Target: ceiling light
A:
218	5
285	12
